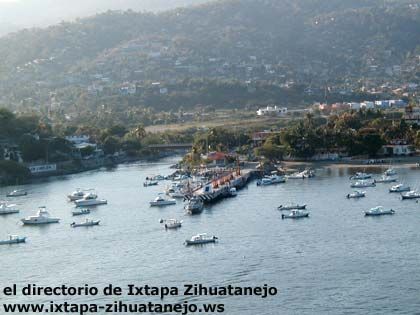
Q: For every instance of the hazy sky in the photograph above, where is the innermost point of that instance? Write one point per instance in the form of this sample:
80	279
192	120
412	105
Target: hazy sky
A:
26	13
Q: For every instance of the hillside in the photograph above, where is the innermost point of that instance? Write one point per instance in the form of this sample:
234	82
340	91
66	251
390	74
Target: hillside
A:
310	42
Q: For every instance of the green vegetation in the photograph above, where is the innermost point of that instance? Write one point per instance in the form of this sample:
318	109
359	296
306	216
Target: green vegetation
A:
12	172
129	68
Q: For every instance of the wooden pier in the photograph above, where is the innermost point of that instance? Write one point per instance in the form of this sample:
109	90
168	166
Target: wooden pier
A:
220	187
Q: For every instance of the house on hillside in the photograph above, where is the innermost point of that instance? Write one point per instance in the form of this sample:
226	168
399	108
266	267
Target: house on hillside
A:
272	111
398	147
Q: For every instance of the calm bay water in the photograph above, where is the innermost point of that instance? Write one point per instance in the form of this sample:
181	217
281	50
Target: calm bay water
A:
335	262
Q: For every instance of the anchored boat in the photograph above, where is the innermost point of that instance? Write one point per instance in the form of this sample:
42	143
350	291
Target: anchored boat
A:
194	205
42	217
295	214
292	206
17	193
13	239
376	211
356	194
385	179
362	184
77	212
412	194
86	223
150	183
360	176
90	199
201	239
5	209
160	201
399	188
171	223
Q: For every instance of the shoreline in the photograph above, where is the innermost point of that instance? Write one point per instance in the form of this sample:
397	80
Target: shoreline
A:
110	163
388	162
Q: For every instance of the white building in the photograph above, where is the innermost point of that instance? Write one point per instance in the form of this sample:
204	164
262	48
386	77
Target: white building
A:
355	106
367	105
272	110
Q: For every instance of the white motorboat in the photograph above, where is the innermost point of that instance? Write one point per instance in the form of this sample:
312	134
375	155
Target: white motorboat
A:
42	217
399	188
292	206
308	173
194	205
17	193
175	193
386	179
295	214
90	199
157	177
171	223
390	172
360	176
201	239
5	208
160	201
85	223
277	179
76	195
378	211
233	192
297	175
356	194
412	194
148	183
13	239
77	212
362	184
265	181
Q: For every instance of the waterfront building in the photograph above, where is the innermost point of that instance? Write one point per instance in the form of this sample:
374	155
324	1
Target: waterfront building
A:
272	111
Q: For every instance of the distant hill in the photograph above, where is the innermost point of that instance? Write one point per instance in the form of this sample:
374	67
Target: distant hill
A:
306	40
29	13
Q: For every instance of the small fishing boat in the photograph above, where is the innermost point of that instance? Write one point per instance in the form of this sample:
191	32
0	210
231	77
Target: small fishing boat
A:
292	206
157	177
80	212
295	214
277	179
175	193
76	195
297	175
171	223
194	205
412	194
360	176
148	183
376	211
390	172
385	179
265	181
201	239
356	194
13	239
362	184
5	208
160	201
308	173
399	188
17	193
85	223
42	217
90	199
